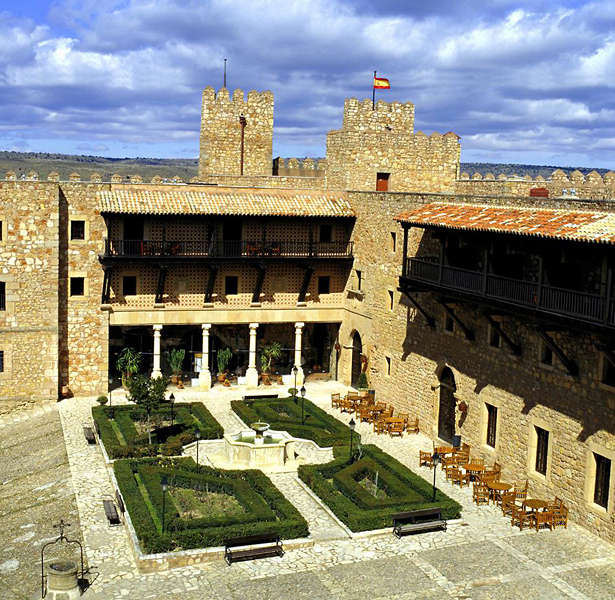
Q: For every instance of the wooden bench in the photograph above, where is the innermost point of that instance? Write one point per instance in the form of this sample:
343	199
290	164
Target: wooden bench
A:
88	432
111	512
260	396
415	521
253	546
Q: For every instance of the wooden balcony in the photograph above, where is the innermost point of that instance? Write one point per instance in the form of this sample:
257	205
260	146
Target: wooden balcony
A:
513	295
235	250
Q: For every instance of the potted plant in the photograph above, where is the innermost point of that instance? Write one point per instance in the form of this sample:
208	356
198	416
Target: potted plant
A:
362	381
268	355
128	363
223	358
175	358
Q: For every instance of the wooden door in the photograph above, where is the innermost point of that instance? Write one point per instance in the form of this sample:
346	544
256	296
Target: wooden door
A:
448	404
357	350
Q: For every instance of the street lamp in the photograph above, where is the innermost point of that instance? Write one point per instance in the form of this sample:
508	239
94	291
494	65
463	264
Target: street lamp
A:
172	401
164	484
351	425
435	459
295	372
110	399
197	434
302	399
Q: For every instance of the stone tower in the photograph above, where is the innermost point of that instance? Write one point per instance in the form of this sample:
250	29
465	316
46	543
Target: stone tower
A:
223	121
376	145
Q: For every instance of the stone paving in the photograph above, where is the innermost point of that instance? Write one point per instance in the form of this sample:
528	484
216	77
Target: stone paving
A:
480	557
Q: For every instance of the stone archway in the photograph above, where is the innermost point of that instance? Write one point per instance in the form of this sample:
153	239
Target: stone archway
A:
357	351
447	406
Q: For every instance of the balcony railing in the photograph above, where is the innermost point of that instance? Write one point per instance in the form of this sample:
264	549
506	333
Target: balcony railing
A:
228	249
530	294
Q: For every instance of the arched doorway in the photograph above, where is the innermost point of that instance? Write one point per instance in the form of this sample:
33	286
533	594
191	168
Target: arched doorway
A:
446	414
357	350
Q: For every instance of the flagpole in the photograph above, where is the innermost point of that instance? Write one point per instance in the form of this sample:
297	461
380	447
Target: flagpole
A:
224	73
374	92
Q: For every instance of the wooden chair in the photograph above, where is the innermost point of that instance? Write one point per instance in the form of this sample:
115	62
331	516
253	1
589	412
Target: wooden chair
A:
425	459
497	467
521	493
448	461
396	429
460	478
345	405
387	413
380	426
480	494
519	516
560	517
543	518
465	448
335	400
449	471
404	416
507	503
365	414
412	426
478	461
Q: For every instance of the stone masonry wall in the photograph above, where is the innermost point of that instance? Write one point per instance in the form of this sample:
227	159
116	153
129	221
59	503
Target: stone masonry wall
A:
220	139
29	265
578	411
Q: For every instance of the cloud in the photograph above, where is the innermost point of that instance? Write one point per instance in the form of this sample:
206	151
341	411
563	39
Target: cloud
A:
85	147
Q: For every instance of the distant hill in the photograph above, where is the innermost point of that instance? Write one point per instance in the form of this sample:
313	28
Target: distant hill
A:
186	168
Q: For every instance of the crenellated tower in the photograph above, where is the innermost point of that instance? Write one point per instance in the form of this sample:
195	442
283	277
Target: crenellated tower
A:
236	134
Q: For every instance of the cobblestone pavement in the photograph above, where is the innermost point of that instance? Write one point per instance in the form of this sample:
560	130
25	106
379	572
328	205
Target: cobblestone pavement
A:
480	557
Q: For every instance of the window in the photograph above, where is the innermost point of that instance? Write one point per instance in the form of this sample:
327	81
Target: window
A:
1	228
358	277
129	285
77	230
231	285
77	286
495	340
393	241
542	448
326	233
603	480
2	295
324	284
449	323
1	361
382	182
546	354
492	419
388	365
608	372
391	299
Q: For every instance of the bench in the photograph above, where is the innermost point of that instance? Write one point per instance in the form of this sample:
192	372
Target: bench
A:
111	513
260	396
88	432
415	521
260	546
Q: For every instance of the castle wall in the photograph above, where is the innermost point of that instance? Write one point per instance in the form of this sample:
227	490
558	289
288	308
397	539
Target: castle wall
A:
220	140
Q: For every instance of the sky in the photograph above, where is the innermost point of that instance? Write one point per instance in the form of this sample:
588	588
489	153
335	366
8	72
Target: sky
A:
520	81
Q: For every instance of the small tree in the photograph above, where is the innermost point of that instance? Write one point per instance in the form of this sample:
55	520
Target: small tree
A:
175	358
269	354
362	381
128	363
147	393
223	357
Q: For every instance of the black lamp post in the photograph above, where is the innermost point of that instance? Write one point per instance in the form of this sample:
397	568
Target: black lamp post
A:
435	459
164	484
197	433
172	401
351	425
302	401
295	372
110	398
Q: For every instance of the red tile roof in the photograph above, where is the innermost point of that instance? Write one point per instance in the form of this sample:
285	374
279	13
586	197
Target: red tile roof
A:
580	225
223	201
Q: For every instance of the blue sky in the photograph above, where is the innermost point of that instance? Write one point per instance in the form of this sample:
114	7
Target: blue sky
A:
519	81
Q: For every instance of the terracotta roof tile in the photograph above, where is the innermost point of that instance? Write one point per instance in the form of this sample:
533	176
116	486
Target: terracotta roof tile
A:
224	201
581	225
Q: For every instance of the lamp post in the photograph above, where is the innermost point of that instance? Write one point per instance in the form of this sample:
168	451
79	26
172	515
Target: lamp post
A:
435	459
110	399
351	425
172	401
164	484
197	433
295	372
302	399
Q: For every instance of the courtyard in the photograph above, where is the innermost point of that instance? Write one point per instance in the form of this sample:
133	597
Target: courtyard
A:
50	472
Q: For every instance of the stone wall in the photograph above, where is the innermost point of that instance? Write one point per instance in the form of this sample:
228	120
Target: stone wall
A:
267	181
220	141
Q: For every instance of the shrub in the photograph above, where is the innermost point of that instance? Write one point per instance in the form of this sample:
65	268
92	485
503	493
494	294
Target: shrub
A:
102	400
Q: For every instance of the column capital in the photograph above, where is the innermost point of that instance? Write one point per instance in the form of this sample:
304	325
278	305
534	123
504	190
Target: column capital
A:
206	327
157	328
253	327
299	325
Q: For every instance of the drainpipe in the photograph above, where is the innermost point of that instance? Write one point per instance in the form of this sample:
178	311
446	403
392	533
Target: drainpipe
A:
242	123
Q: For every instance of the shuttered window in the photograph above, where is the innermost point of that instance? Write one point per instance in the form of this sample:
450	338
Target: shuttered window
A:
603	480
492	418
542	448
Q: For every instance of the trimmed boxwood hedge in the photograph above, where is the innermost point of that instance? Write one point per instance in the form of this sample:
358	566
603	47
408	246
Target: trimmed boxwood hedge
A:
266	508
320	427
336	484
129	444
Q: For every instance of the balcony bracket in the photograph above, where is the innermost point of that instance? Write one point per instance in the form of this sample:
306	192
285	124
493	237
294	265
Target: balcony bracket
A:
570	365
514	348
429	320
106	286
307	277
469	334
607	350
211	282
258	287
162	277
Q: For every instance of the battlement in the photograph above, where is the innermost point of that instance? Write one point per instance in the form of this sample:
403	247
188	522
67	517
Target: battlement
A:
387	116
221	101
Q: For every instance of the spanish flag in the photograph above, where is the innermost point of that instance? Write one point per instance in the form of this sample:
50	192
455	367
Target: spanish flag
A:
380	83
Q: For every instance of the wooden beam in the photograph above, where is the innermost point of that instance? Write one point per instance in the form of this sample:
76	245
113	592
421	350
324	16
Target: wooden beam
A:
162	277
307	277
570	365
429	320
514	348
451	313
607	351
106	286
211	282
258	287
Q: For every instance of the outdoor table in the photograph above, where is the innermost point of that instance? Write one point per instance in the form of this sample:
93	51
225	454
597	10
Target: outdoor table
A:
535	505
444	450
390	420
473	469
497	487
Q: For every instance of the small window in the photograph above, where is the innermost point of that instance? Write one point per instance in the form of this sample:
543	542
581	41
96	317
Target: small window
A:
542	448
77	230
382	182
1	361
2	295
326	233
608	372
388	365
492	418
603	480
1	228
449	323
77	286
231	285
495	340
324	284
393	241
358	276
546	354
129	285
391	299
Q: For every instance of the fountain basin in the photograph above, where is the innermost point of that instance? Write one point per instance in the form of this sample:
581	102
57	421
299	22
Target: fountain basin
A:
248	450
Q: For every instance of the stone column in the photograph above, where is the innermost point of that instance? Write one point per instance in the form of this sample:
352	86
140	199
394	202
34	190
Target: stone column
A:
156	370
252	373
205	374
298	335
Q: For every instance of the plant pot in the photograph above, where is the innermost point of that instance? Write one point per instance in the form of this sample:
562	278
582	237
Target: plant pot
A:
180	384
174	379
227	383
221	377
266	379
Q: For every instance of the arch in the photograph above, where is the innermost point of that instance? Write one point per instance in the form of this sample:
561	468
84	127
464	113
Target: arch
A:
357	351
447	405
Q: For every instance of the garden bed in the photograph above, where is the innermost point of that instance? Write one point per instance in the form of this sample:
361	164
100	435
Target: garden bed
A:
284	414
125	436
365	494
203	506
